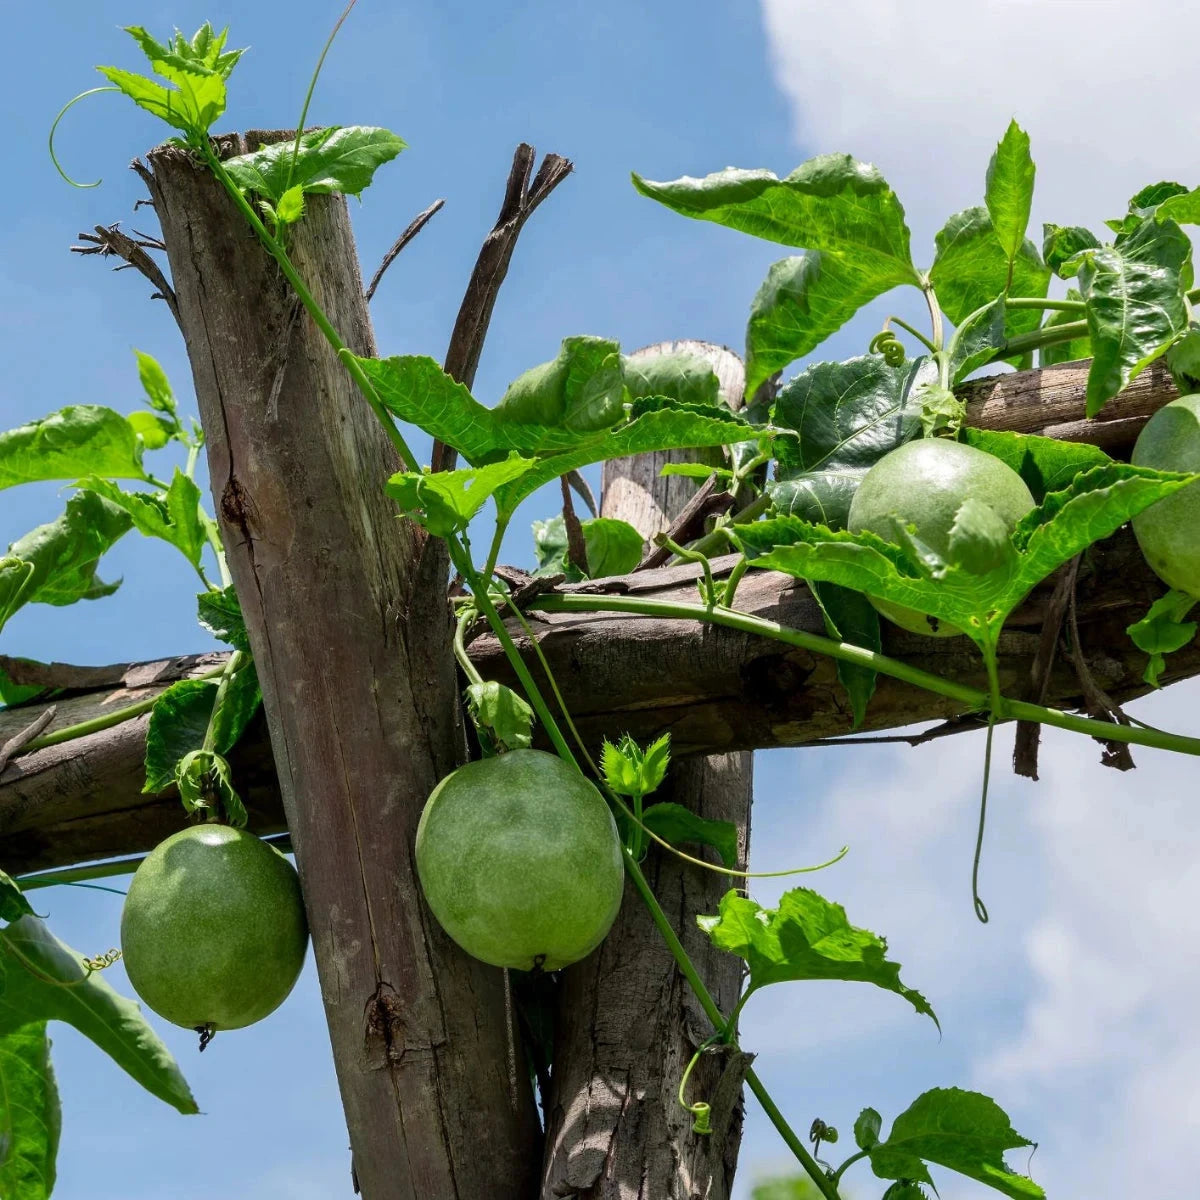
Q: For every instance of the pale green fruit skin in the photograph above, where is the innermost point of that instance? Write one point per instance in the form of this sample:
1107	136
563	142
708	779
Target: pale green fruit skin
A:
520	861
213	931
924	483
1169	531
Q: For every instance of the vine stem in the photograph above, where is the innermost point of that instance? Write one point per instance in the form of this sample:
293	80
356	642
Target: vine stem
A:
935	315
1048	336
971	698
915	333
1052	305
233	664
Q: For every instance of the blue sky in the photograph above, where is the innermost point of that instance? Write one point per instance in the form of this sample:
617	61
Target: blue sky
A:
1074	1007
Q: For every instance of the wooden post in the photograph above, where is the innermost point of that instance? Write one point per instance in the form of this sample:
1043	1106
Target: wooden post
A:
347	615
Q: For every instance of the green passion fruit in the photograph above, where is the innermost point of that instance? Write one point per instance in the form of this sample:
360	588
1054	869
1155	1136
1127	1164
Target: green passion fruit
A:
213	932
924	483
1169	531
520	861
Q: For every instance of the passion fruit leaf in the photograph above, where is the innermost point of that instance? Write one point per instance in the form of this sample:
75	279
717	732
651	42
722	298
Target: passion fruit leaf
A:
173	516
1060	245
205	783
613	547
445	501
582	390
867	1128
1136	305
980	339
1060	352
338	159
906	1189
11	692
1008	192
847	416
1183	206
82	439
1163	630
1183	361
203	52
941	411
631	771
1045	464
979	541
154	431
504	719
849	617
56	563
290	208
156	385
221	614
963	1131
13	904
676	824
30	1117
806	937
686	378
41	979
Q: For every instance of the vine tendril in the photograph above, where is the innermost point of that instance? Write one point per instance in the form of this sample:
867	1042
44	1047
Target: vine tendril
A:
890	346
62	112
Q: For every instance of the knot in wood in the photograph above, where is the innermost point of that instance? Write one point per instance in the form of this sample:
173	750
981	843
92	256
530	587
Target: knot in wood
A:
383	1034
237	508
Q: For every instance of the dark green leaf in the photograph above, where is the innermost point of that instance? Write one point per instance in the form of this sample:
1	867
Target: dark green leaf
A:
173	516
1163	630
963	1131
580	391
1045	464
504	720
613	547
978	342
242	698
339	159
11	692
1060	352
1061	243
221	614
83	439
1009	190
866	1129
685	377
30	1115
13	904
157	387
849	617
806	937
1135	304
848	416
1183	208
1183	361
445	501
676	824
41	979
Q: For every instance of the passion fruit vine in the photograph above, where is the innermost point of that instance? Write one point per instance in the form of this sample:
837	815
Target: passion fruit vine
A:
520	861
213	933
924	484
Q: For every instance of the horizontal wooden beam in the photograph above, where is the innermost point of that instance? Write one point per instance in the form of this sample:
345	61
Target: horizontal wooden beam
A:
715	689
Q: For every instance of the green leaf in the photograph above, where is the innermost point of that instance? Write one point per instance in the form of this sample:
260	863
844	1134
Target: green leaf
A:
675	824
806	937
631	771
1183	361
12	693
30	1115
221	614
684	377
290	208
905	1189
445	501
1184	207
867	1128
963	1131
205	784
1163	630
849	617
1135	304
338	159
1009	190
972	267
848	416
503	718
582	390
201	53
155	384
180	717
154	431
13	904
56	563
173	516
979	340
1061	243
613	547
41	979
1061	352
1045	464
82	439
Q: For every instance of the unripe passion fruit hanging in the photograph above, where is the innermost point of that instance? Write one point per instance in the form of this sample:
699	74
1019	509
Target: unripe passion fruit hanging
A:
213	932
924	484
520	861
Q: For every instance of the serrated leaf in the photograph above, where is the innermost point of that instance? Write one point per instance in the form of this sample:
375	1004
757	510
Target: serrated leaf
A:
341	159
1045	464
1163	630
867	1128
582	390
82	439
221	614
850	617
806	937
1008	193
1060	352
501	715
41	979
979	540
685	377
1135	304
963	1131
173	517
56	563
848	416
13	904
290	208
631	771
676	824
445	501
30	1115
1061	243
205	783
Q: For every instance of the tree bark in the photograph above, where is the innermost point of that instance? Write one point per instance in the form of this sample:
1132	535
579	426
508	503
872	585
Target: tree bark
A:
346	611
627	1022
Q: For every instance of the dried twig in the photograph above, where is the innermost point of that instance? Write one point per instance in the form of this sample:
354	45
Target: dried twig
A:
576	545
19	741
415	226
108	240
521	198
963	724
689	524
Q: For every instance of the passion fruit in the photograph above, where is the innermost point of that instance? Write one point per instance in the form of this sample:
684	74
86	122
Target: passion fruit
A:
1169	531
924	483
520	861
213	932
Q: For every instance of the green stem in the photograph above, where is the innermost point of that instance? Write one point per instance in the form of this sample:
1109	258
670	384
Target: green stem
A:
233	664
118	717
1051	305
314	310
971	698
193	455
460	650
735	577
915	332
935	316
713	542
989	658
1048	336
826	1186
837	1175
494	550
